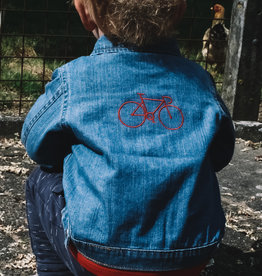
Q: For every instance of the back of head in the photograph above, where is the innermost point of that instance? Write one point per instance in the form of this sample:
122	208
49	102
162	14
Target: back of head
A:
137	22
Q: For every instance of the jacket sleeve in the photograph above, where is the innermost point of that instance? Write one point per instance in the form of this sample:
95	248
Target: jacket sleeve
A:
223	144
222	148
46	138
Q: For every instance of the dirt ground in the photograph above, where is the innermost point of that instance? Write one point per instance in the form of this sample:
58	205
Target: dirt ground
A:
241	191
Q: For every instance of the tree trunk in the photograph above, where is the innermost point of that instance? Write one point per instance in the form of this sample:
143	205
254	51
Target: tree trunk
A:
243	70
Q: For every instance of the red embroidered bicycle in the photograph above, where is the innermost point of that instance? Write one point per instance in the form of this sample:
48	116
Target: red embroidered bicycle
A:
134	114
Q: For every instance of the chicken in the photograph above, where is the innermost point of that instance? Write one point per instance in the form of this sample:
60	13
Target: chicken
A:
215	40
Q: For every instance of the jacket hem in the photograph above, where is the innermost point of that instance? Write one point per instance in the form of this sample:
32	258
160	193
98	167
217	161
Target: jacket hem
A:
146	260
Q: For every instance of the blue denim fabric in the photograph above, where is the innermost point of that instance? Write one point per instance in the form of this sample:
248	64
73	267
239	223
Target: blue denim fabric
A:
138	174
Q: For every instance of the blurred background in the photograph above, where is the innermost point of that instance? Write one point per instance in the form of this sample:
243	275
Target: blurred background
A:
38	36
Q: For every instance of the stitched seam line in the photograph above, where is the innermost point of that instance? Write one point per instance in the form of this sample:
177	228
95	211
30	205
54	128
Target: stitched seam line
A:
142	250
66	96
100	51
55	97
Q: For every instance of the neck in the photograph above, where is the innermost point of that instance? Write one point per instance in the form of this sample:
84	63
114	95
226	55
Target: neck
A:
218	18
97	32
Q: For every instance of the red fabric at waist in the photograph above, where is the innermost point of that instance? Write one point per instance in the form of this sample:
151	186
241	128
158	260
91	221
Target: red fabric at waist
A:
99	270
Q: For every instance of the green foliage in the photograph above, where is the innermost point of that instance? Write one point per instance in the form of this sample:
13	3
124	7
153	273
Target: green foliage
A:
33	44
23	73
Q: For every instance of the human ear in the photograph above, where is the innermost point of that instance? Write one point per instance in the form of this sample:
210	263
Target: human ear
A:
85	16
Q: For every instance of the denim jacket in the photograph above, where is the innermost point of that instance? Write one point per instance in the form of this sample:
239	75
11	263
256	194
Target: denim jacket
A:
139	134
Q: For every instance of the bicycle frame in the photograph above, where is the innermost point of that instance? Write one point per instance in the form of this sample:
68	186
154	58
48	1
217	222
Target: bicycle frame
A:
151	115
164	104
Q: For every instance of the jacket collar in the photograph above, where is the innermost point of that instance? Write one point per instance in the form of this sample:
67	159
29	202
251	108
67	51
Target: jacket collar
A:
104	45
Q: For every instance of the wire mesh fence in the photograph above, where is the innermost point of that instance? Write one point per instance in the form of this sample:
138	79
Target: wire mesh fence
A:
35	38
194	35
38	36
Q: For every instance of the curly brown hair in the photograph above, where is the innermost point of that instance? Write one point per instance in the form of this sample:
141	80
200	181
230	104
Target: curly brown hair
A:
137	22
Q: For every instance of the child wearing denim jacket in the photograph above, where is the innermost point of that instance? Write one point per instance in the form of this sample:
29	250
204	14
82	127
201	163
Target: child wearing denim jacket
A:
128	141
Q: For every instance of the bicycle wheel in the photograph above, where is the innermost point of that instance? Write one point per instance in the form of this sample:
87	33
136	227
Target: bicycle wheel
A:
171	117
131	114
